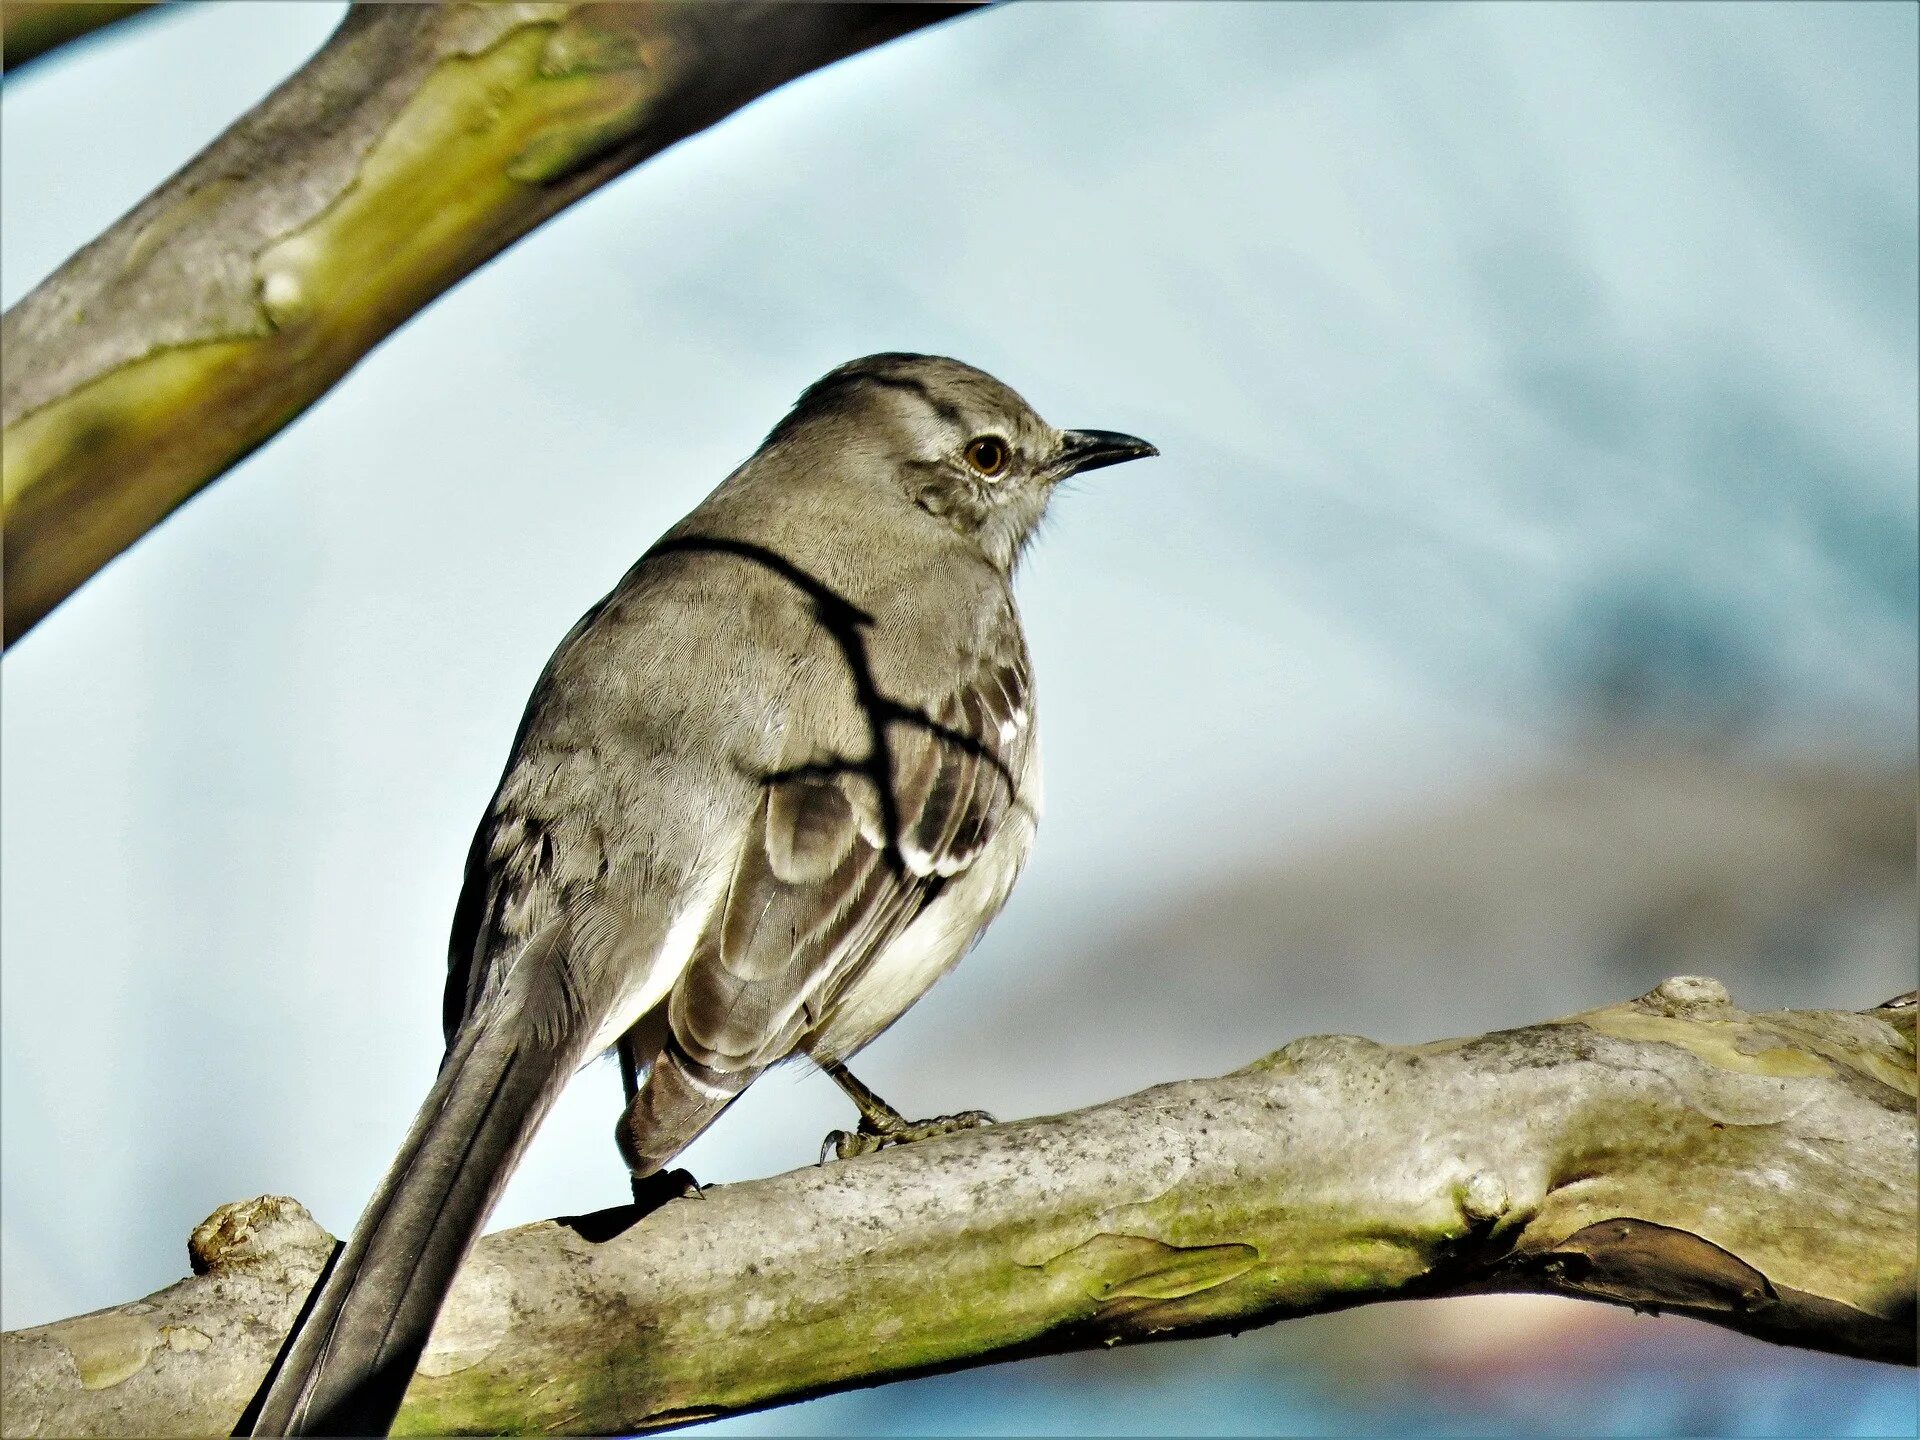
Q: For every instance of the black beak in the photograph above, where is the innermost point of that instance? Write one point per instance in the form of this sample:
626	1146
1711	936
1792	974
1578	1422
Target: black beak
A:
1091	449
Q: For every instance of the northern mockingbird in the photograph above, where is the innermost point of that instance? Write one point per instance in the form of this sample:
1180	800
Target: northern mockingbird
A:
765	793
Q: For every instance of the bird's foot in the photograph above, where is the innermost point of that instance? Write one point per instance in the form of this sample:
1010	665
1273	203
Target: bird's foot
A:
650	1192
872	1136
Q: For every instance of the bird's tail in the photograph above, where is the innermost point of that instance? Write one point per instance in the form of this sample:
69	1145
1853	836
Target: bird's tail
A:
347	1369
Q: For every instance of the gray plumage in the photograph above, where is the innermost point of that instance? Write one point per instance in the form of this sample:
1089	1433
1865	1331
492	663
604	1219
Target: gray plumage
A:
765	794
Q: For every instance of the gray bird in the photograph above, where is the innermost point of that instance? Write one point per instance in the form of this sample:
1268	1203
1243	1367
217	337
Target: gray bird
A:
765	793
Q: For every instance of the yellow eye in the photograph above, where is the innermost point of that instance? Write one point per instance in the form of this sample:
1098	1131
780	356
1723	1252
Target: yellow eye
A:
988	454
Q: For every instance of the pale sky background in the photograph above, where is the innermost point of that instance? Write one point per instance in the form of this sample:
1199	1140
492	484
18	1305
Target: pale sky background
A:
1458	327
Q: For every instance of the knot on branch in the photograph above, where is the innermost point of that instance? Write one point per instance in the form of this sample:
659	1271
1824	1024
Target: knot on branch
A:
1688	997
268	1230
1310	1051
1484	1198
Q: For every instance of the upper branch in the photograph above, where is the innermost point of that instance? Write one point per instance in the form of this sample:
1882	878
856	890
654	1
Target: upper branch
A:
30	29
416	145
1673	1152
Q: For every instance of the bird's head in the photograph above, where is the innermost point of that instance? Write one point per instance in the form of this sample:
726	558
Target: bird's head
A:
956	442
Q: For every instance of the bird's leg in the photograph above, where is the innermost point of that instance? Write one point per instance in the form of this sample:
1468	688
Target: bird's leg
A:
650	1192
881	1125
629	1092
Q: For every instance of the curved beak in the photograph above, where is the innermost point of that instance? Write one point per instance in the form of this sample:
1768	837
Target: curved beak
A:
1090	449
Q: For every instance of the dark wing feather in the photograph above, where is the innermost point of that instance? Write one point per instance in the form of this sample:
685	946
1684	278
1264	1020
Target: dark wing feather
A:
478	894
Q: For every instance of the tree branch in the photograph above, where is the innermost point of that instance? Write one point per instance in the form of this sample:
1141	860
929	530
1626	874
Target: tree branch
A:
30	29
1673	1153
416	145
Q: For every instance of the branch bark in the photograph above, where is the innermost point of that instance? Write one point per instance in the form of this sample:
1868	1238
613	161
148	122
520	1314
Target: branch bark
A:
30	29
1673	1152
416	145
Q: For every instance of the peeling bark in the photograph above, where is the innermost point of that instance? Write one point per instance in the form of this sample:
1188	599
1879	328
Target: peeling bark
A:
416	145
1673	1153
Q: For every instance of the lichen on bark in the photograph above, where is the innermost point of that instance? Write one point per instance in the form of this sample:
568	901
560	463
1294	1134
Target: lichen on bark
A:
1673	1152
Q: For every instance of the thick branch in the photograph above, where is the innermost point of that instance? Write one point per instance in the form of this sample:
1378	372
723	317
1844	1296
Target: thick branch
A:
32	28
1674	1152
419	143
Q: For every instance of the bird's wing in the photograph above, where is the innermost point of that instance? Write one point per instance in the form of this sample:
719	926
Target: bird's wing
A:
528	863
845	853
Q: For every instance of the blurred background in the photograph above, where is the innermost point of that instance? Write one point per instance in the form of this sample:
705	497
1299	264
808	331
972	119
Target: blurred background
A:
1524	610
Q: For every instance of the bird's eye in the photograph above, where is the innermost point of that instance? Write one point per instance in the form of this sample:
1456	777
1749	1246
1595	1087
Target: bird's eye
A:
988	454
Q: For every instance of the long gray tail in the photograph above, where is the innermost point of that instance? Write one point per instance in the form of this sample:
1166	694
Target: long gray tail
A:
348	1368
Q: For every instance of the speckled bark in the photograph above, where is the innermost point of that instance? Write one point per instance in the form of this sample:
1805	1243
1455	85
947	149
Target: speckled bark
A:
1673	1152
417	144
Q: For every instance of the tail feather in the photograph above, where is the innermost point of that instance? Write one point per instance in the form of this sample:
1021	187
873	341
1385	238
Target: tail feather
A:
348	1368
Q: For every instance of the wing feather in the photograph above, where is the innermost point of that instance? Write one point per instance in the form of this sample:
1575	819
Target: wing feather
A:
822	887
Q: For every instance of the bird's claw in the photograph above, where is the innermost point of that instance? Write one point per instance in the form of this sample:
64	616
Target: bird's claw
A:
846	1144
650	1192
